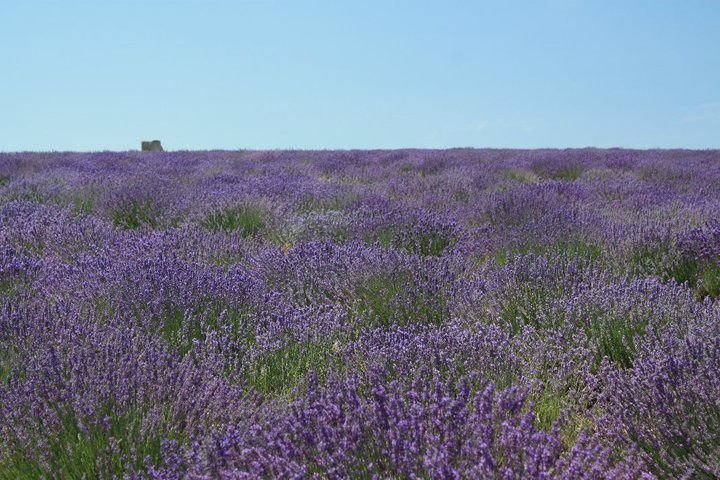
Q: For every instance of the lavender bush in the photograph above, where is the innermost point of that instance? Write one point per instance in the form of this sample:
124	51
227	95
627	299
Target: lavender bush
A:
360	314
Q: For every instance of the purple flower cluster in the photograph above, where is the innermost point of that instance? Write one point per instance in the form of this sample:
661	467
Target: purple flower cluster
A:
360	314
426	429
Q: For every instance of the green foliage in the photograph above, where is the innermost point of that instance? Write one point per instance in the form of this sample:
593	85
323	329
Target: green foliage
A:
524	306
135	214
611	333
702	277
180	328
340	235
280	371
548	407
649	260
520	175
383	236
683	270
28	193
708	284
395	299
568	173
586	252
7	288
614	335
554	407
430	243
6	365
99	450
84	205
246	220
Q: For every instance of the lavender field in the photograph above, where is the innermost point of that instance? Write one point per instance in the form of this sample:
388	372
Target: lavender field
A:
399	314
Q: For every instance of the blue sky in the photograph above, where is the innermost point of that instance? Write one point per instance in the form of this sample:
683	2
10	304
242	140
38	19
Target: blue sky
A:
198	74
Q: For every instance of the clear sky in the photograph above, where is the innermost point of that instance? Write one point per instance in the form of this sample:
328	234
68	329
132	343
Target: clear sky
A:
199	74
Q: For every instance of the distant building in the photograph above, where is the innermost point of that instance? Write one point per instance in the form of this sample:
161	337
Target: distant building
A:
153	146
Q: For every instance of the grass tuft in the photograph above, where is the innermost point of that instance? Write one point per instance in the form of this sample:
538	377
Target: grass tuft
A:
395	299
520	175
107	449
135	214
246	220
281	371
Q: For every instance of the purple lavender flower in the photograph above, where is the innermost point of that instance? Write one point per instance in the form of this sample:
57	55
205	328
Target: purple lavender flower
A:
360	314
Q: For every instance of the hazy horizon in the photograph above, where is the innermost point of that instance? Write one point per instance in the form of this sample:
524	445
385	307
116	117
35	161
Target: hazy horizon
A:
429	149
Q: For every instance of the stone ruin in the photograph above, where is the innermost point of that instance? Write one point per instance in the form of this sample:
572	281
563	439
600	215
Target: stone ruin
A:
153	146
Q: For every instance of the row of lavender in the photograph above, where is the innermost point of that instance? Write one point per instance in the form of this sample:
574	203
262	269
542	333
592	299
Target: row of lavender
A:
364	314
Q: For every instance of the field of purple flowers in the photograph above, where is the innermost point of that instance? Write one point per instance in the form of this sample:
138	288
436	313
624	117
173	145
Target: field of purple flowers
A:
360	314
